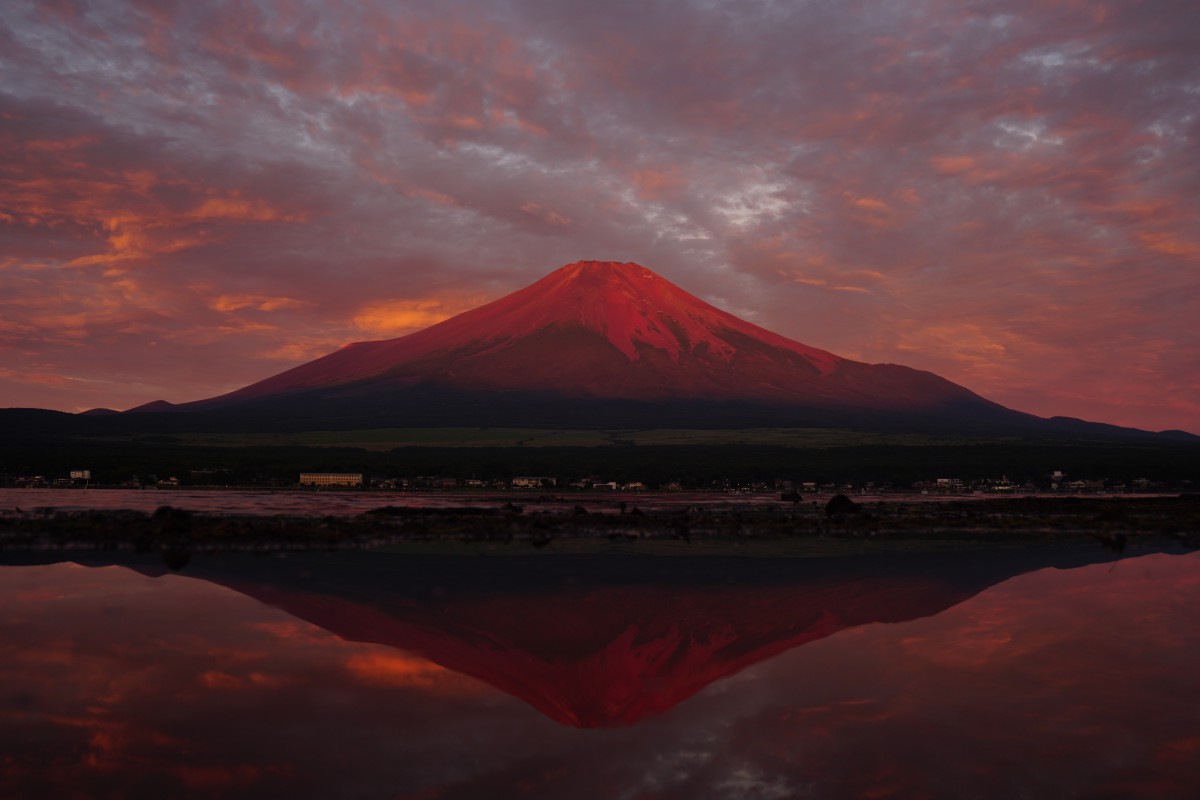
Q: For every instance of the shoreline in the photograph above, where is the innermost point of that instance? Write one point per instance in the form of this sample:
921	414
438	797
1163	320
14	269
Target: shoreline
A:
778	528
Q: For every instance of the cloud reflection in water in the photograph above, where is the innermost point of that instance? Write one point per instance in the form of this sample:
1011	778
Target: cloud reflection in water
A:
1054	683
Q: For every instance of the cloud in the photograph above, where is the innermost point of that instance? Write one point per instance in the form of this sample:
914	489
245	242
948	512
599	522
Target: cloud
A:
1025	168
394	317
238	302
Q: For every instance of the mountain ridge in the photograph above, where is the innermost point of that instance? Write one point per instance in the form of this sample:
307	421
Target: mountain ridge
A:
608	330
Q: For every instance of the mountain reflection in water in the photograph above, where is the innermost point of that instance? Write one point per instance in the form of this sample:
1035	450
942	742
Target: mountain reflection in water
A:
596	641
1059	682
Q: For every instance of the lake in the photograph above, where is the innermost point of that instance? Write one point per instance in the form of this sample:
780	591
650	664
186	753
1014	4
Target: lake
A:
1060	671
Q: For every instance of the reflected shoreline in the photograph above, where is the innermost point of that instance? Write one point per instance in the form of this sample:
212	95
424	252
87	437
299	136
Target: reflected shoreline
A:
777	528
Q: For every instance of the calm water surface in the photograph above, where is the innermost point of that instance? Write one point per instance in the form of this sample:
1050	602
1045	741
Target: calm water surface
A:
1059	673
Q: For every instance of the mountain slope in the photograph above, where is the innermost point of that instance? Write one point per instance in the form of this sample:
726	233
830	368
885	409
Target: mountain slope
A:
607	331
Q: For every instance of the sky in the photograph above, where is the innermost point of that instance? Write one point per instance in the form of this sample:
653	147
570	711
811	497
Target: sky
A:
197	195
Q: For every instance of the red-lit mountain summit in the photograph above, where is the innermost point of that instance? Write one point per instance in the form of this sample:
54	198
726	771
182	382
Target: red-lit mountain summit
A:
603	331
595	329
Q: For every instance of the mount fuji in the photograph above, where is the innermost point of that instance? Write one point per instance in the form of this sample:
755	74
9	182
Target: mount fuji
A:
597	344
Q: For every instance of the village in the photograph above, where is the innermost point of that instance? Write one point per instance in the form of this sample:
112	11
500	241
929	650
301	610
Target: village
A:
1055	482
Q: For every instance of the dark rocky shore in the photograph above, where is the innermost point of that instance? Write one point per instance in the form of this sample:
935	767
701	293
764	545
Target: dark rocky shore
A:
1113	522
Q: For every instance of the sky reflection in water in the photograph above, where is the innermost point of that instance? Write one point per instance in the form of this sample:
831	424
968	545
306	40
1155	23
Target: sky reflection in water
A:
1055	683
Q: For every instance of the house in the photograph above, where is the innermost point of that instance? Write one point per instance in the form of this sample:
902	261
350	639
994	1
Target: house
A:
1002	486
950	485
534	482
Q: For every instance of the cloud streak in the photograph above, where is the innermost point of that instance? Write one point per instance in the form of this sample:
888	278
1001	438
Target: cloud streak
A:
1005	194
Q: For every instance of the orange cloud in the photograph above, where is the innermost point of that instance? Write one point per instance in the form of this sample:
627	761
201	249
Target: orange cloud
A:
823	284
963	341
870	203
393	317
121	214
301	349
73	307
235	208
36	378
953	165
257	302
1171	245
245	326
870	211
129	239
832	278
